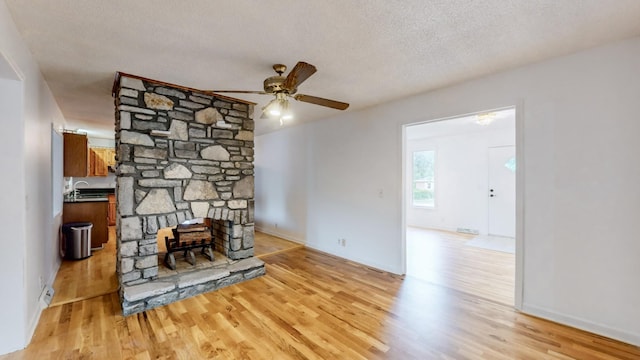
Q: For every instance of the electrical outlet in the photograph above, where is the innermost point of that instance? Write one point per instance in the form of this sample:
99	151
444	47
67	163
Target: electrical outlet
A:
46	295
343	242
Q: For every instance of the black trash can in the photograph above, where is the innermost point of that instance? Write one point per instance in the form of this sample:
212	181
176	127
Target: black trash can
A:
76	240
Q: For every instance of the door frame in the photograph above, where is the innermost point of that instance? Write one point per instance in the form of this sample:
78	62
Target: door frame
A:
520	190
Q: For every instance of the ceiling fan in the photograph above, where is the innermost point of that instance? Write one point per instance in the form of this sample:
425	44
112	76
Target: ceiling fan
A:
285	87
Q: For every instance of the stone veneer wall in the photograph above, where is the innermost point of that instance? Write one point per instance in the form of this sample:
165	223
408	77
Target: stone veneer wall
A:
181	154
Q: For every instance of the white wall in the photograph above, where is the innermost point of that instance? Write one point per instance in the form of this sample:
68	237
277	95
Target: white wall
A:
579	118
461	179
31	245
281	172
12	309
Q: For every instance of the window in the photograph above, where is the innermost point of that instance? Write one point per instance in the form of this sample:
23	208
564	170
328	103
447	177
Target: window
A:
511	164
423	188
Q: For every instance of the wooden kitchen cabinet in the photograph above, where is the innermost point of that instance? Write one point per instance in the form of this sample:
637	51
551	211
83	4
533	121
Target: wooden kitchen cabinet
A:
111	210
100	159
76	151
111	157
94	212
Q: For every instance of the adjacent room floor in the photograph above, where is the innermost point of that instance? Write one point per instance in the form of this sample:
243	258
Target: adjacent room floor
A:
444	258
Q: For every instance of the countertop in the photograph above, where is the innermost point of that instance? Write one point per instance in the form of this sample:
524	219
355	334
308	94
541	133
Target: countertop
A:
86	199
89	195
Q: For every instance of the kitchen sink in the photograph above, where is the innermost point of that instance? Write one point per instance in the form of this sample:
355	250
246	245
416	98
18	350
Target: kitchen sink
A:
87	195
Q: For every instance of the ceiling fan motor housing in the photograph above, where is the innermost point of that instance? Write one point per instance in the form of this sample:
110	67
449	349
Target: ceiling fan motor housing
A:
275	84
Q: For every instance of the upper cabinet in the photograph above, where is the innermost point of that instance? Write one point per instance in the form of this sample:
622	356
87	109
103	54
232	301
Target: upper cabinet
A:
76	159
100	159
80	160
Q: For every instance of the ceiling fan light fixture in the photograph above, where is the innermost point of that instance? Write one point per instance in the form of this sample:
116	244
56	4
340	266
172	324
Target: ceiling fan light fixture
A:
274	111
485	119
285	113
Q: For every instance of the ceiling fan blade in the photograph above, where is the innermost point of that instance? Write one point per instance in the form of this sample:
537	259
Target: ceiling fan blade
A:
299	74
239	92
320	101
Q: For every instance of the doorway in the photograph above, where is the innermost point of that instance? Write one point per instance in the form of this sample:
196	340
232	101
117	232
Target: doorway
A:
473	192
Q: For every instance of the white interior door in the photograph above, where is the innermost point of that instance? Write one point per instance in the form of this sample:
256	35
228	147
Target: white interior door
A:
502	191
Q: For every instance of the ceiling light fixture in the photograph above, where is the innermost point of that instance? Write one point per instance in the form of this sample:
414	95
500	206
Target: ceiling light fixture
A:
278	108
485	119
274	110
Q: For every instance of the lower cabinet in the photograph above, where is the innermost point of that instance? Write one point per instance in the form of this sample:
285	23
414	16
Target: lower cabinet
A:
94	212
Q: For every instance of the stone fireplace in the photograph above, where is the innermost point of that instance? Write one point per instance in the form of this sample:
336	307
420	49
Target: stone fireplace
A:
182	154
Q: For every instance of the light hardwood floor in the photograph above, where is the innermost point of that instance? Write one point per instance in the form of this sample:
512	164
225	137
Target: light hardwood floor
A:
266	245
442	258
311	305
95	276
84	279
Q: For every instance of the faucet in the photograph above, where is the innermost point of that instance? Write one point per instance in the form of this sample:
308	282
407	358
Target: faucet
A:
74	187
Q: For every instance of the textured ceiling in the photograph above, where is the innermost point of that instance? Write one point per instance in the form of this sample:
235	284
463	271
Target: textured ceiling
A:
367	52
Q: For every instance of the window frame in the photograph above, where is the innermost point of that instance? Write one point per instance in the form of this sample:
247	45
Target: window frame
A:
434	181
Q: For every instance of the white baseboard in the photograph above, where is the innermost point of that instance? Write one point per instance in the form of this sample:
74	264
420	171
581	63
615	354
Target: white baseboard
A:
439	228
582	324
321	249
33	324
357	260
280	235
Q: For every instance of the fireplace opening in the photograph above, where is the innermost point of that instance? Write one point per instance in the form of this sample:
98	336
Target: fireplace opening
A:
198	244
